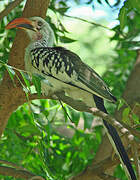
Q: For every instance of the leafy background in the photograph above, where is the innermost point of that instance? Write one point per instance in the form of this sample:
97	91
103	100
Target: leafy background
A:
40	136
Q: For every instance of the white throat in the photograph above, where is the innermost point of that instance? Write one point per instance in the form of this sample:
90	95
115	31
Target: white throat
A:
47	39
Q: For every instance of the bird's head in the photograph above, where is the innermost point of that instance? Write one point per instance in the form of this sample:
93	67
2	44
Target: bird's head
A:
36	27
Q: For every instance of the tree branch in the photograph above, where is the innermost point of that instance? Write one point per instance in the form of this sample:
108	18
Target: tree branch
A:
24	174
81	106
9	8
11	164
107	177
11	96
17	171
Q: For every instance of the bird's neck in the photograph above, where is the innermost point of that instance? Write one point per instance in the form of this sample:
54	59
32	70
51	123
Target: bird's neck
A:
45	41
42	43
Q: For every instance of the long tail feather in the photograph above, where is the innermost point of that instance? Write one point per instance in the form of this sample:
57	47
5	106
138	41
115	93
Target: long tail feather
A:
116	141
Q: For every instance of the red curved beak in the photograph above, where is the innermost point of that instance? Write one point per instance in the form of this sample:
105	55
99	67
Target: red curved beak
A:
21	23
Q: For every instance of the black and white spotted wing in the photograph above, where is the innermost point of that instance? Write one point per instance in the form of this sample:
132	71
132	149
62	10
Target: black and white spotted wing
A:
66	66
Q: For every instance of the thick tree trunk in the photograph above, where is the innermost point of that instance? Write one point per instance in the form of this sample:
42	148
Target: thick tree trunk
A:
11	97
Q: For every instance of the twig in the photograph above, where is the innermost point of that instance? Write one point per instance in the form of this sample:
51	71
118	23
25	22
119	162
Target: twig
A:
36	178
8	171
9	8
81	106
12	164
65	111
17	171
113	122
90	22
118	124
107	177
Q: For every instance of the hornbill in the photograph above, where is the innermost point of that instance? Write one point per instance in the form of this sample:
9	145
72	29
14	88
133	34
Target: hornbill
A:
66	72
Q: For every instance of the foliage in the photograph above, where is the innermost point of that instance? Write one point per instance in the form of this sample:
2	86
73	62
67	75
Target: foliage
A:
40	148
32	137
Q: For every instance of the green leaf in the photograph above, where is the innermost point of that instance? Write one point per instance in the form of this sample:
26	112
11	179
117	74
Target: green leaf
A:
99	1
98	132
123	17
88	119
26	79
63	28
125	114
135	118
65	39
48	130
121	103
37	83
119	173
75	116
134	4
30	129
11	73
89	2
107	2
62	10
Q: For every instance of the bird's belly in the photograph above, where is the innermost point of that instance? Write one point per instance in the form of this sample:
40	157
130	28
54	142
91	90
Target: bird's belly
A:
73	92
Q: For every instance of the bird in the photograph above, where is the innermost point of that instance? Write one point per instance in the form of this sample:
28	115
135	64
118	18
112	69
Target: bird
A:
65	71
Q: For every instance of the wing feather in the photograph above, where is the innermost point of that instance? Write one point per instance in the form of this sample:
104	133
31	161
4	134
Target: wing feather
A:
88	76
68	67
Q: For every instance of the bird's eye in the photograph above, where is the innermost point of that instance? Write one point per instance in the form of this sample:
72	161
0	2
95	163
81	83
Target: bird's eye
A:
39	23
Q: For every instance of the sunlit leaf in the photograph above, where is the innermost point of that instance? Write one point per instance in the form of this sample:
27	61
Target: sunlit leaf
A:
65	39
125	114
11	73
75	116
88	119
135	118
121	103
123	17
62	10
37	82
26	79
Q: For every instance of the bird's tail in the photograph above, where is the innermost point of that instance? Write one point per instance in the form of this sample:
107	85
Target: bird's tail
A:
116	141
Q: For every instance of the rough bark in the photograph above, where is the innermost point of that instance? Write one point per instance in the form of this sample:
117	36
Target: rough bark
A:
11	97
